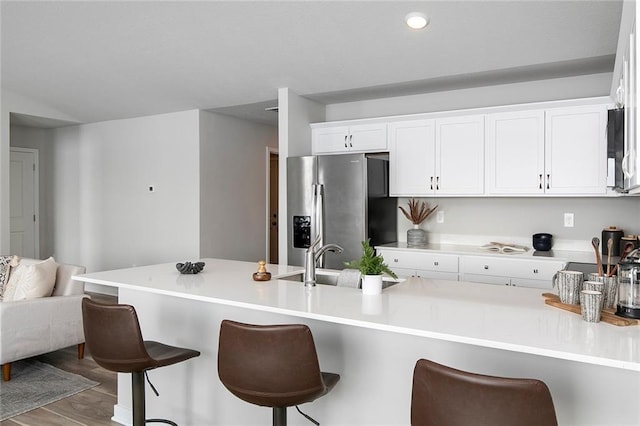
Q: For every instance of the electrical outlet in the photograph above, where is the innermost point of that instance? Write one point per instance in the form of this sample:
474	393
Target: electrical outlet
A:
440	217
568	220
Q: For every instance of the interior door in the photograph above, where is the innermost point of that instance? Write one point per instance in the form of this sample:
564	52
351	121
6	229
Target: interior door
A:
23	202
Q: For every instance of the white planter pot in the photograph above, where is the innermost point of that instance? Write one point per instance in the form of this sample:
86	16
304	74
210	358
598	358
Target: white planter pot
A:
371	284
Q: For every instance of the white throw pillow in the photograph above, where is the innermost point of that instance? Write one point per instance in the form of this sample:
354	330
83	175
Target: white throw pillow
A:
31	281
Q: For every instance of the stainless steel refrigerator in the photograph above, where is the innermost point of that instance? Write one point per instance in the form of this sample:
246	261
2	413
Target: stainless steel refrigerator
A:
344	199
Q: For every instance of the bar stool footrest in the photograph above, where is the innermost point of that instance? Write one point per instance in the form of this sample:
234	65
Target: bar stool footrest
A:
169	422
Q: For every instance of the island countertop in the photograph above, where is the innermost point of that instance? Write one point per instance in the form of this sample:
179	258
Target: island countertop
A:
508	318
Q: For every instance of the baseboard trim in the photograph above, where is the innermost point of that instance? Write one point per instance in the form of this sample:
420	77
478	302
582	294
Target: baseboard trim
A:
122	415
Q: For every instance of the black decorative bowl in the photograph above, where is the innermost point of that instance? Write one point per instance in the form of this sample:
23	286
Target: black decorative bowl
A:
542	241
190	268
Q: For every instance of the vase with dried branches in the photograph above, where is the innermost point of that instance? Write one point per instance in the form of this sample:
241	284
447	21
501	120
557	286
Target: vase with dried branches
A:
418	213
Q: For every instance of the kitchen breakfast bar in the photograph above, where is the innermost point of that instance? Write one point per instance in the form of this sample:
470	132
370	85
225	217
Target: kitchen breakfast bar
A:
373	342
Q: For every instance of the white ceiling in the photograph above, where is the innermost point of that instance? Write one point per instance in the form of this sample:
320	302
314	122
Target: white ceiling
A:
106	60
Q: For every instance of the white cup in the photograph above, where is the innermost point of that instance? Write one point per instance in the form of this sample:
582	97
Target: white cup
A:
569	284
610	292
591	304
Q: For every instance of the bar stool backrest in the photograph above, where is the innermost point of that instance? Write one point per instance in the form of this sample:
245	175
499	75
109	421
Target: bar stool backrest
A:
112	333
445	396
269	365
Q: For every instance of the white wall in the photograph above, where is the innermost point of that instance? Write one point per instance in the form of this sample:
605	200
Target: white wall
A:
294	140
515	219
233	171
12	102
104	216
505	94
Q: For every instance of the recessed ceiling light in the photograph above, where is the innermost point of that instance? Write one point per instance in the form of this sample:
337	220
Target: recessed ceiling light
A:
417	20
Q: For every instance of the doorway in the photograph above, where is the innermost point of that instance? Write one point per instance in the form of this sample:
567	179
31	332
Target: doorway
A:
272	205
24	208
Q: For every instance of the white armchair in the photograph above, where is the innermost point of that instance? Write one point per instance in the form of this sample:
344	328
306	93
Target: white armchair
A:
36	326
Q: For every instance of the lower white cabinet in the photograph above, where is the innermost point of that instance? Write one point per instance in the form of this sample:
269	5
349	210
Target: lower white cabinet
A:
505	271
422	264
498	270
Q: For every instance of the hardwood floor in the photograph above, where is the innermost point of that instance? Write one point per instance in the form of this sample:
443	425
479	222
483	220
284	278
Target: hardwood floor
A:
93	407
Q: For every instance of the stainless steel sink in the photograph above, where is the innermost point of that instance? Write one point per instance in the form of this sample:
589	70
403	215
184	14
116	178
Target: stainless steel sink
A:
322	277
330	277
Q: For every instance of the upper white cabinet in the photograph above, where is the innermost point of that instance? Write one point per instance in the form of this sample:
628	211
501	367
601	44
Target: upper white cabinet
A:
556	148
354	138
437	157
515	153
558	151
576	150
412	146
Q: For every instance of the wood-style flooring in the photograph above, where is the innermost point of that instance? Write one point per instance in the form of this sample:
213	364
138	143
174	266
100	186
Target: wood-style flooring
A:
93	407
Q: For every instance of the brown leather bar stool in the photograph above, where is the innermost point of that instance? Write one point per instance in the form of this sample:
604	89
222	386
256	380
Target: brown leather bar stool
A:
113	336
446	396
272	366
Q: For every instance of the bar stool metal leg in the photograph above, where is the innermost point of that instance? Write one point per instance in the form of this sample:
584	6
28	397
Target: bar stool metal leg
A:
138	401
138	398
279	416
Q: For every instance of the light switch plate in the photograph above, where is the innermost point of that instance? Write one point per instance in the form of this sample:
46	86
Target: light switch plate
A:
440	217
568	220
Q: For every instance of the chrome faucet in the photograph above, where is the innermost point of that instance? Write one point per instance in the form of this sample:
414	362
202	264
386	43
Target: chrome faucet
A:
311	258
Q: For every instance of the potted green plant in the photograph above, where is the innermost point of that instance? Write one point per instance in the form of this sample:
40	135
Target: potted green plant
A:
371	266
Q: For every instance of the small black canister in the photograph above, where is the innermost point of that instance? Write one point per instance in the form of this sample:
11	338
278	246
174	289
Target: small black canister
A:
542	241
615	234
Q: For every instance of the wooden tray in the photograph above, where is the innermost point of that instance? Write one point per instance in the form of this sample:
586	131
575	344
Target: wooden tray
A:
608	315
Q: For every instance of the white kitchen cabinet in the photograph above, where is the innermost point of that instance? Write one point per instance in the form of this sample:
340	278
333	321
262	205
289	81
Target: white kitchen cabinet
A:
559	151
412	146
509	271
515	153
407	263
576	150
437	157
354	138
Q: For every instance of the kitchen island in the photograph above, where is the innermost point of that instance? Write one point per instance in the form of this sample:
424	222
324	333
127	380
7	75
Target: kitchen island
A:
373	342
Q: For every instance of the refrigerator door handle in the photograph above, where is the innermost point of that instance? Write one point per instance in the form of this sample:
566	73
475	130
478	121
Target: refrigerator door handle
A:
318	217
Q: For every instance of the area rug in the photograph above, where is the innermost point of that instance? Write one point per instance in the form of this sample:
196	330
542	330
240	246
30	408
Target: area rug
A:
34	384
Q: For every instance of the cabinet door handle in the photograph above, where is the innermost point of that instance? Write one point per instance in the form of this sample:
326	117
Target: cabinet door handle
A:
437	183
486	266
395	260
431	183
350	141
535	271
548	180
435	263
345	141
540	181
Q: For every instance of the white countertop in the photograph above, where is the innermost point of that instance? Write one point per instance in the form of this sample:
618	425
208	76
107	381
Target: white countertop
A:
502	317
460	249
